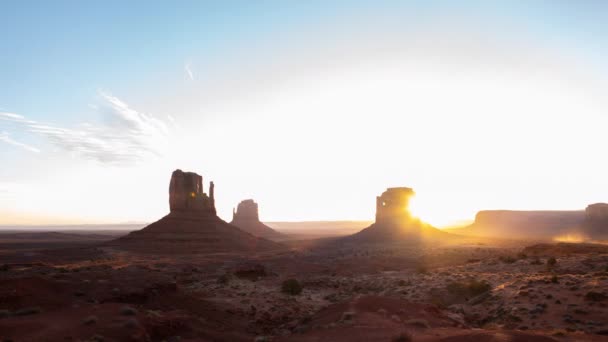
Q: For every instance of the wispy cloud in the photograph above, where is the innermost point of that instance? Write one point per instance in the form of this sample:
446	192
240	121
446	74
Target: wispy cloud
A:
4	137
188	69
125	136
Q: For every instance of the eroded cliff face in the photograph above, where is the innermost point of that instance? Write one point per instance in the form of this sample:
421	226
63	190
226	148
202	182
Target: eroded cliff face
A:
186	193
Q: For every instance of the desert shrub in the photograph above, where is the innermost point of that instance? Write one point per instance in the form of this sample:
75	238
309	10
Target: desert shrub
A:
28	311
595	296
536	261
403	337
418	322
551	262
90	320
223	279
251	271
507	259
470	288
291	287
522	255
554	279
128	311
559	333
421	269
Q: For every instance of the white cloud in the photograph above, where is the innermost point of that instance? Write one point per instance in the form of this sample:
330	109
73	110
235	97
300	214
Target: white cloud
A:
4	137
188	69
125	136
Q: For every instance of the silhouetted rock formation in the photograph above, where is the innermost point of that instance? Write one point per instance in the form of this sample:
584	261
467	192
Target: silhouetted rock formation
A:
186	193
192	226
394	221
246	217
595	224
524	224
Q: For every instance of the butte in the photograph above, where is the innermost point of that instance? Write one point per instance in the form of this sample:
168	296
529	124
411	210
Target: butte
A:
246	217
394	222
192	225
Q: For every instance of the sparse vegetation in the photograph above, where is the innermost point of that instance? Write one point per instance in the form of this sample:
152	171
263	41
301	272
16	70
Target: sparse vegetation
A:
522	255
128	311
595	296
536	261
418	322
554	279
470	288
291	287
421	269
90	320
551	262
507	259
28	311
403	337
223	279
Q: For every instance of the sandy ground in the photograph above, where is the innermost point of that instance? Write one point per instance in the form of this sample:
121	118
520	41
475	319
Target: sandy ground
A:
481	291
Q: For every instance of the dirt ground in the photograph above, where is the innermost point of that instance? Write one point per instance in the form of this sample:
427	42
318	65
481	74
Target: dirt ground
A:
473	291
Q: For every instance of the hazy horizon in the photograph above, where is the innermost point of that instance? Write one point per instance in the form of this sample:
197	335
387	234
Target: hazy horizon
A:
312	109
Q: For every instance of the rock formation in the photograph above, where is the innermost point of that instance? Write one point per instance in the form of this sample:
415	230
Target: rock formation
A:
524	224
246	217
192	226
392	207
186	193
595	224
394	221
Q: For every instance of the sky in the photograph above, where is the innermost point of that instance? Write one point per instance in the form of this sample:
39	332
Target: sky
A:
312	108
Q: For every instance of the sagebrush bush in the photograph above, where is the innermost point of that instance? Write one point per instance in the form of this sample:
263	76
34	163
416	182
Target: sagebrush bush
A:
291	287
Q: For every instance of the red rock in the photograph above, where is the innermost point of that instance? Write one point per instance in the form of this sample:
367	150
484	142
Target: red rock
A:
246	217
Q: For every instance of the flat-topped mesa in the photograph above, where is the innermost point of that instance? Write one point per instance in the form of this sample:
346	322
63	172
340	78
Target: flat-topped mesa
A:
595	224
247	210
186	193
392	207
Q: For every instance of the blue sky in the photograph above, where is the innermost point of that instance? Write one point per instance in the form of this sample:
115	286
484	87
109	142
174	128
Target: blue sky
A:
107	90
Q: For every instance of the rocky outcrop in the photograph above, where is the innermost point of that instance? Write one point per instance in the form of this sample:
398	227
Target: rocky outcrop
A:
246	210
595	223
186	193
246	217
394	222
524	224
192	226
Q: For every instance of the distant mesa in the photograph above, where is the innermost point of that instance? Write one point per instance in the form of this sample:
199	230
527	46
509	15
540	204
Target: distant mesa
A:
394	222
192	226
595	223
246	217
590	224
